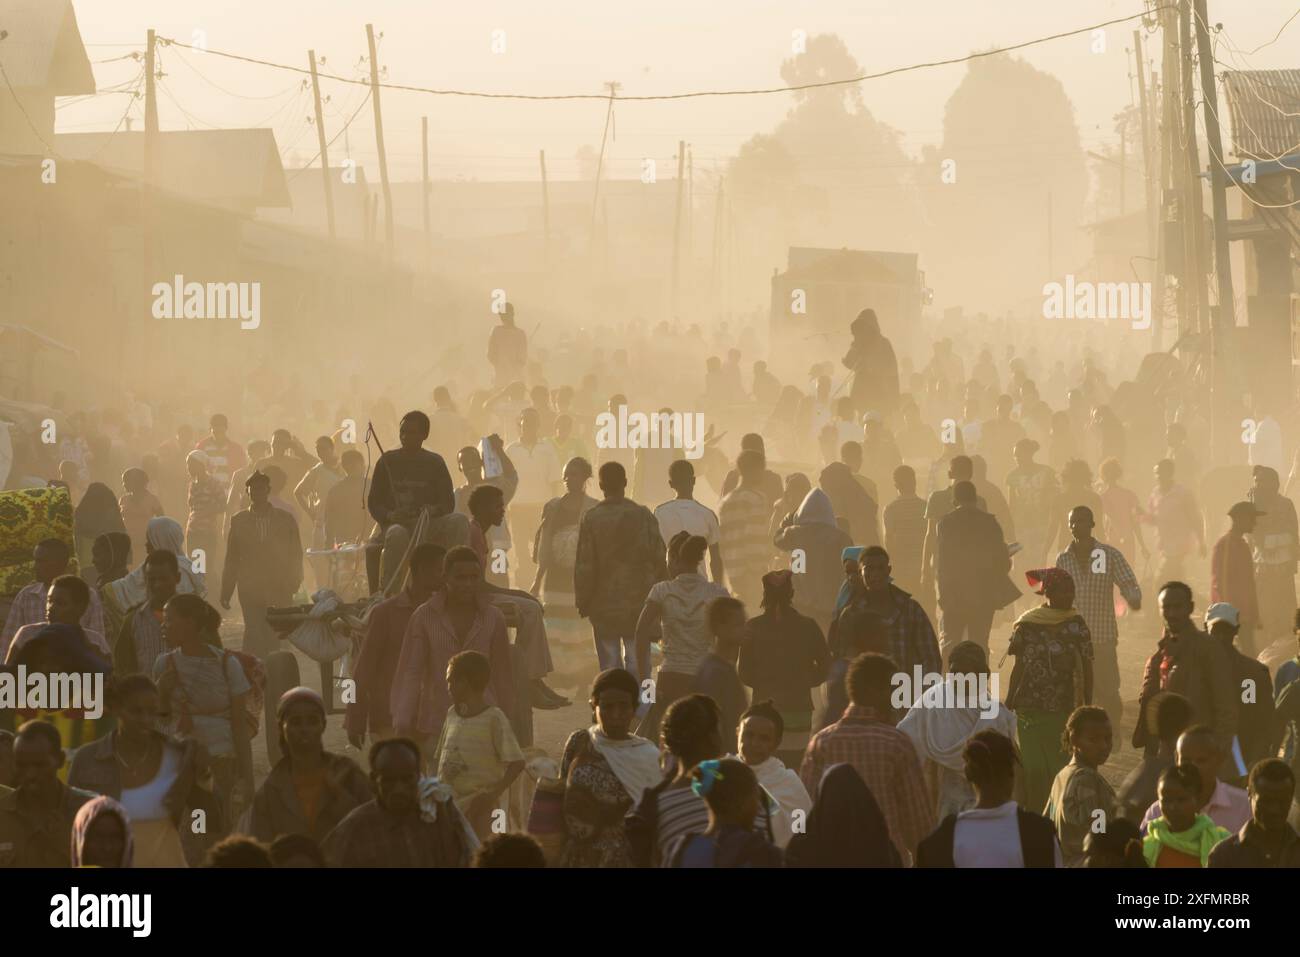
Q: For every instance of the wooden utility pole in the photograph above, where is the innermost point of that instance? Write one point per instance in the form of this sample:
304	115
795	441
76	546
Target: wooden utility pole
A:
1173	170
1193	213
546	214
1123	170
324	146
600	163
677	226
1218	175
1151	192
717	246
1224	317
690	206
424	190
379	140
150	112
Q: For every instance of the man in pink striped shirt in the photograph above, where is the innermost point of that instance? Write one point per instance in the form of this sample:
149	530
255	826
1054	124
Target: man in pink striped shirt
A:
459	618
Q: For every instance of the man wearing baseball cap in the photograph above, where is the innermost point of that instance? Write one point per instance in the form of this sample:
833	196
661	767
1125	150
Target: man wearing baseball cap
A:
1232	571
1255	713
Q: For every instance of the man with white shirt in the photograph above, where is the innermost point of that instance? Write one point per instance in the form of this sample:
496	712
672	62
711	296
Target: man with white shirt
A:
684	514
538	465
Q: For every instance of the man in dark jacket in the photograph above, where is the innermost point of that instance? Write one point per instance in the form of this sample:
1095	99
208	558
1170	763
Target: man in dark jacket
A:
620	555
971	565
406	480
264	561
1254	687
1187	661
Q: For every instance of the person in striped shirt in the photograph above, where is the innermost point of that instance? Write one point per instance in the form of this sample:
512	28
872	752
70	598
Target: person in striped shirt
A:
743	516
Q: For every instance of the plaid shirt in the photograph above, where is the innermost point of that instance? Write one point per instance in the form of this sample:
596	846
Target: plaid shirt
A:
1094	591
912	640
29	609
886	760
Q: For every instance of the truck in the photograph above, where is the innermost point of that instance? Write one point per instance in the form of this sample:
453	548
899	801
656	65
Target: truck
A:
822	291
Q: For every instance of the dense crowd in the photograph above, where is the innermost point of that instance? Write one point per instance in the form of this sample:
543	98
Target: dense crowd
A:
793	633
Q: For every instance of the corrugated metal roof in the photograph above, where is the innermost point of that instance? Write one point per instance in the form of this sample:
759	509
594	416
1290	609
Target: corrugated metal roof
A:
239	167
1258	104
43	50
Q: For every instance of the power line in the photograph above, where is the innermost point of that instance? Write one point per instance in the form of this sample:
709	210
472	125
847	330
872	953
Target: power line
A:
22	109
360	106
695	94
215	85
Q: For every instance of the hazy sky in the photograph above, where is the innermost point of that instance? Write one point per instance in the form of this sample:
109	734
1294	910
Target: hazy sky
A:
573	47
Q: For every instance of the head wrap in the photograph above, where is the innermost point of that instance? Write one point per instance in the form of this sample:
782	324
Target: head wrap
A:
853	553
707	774
816	509
1041	579
300	693
87	815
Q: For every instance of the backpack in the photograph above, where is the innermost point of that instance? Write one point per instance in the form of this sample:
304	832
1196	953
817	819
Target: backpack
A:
254	674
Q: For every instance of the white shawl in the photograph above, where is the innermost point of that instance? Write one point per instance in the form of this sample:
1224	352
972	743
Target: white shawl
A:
940	734
634	760
785	787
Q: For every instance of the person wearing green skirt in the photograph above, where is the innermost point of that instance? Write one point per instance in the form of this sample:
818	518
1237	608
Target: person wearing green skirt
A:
1052	676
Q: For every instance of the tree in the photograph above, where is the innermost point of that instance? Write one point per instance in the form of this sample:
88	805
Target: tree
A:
1009	131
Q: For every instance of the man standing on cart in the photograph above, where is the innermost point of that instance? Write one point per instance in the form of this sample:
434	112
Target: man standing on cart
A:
406	480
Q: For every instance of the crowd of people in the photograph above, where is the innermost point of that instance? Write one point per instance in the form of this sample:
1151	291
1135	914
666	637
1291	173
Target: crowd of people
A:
763	619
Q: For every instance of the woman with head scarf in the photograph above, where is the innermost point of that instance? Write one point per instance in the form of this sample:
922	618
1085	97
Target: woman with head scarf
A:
846	827
101	835
162	534
96	514
310	789
852	586
875	367
816	544
940	733
783	657
1053	675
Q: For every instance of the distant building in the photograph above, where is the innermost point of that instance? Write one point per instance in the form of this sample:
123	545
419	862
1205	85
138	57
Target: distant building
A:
43	57
1263	113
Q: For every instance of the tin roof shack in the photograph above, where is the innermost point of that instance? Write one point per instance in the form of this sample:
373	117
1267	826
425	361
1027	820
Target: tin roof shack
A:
823	290
1264	115
42	57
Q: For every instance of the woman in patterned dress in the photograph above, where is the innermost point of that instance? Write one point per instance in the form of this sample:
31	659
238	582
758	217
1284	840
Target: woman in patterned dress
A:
605	769
1053	675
